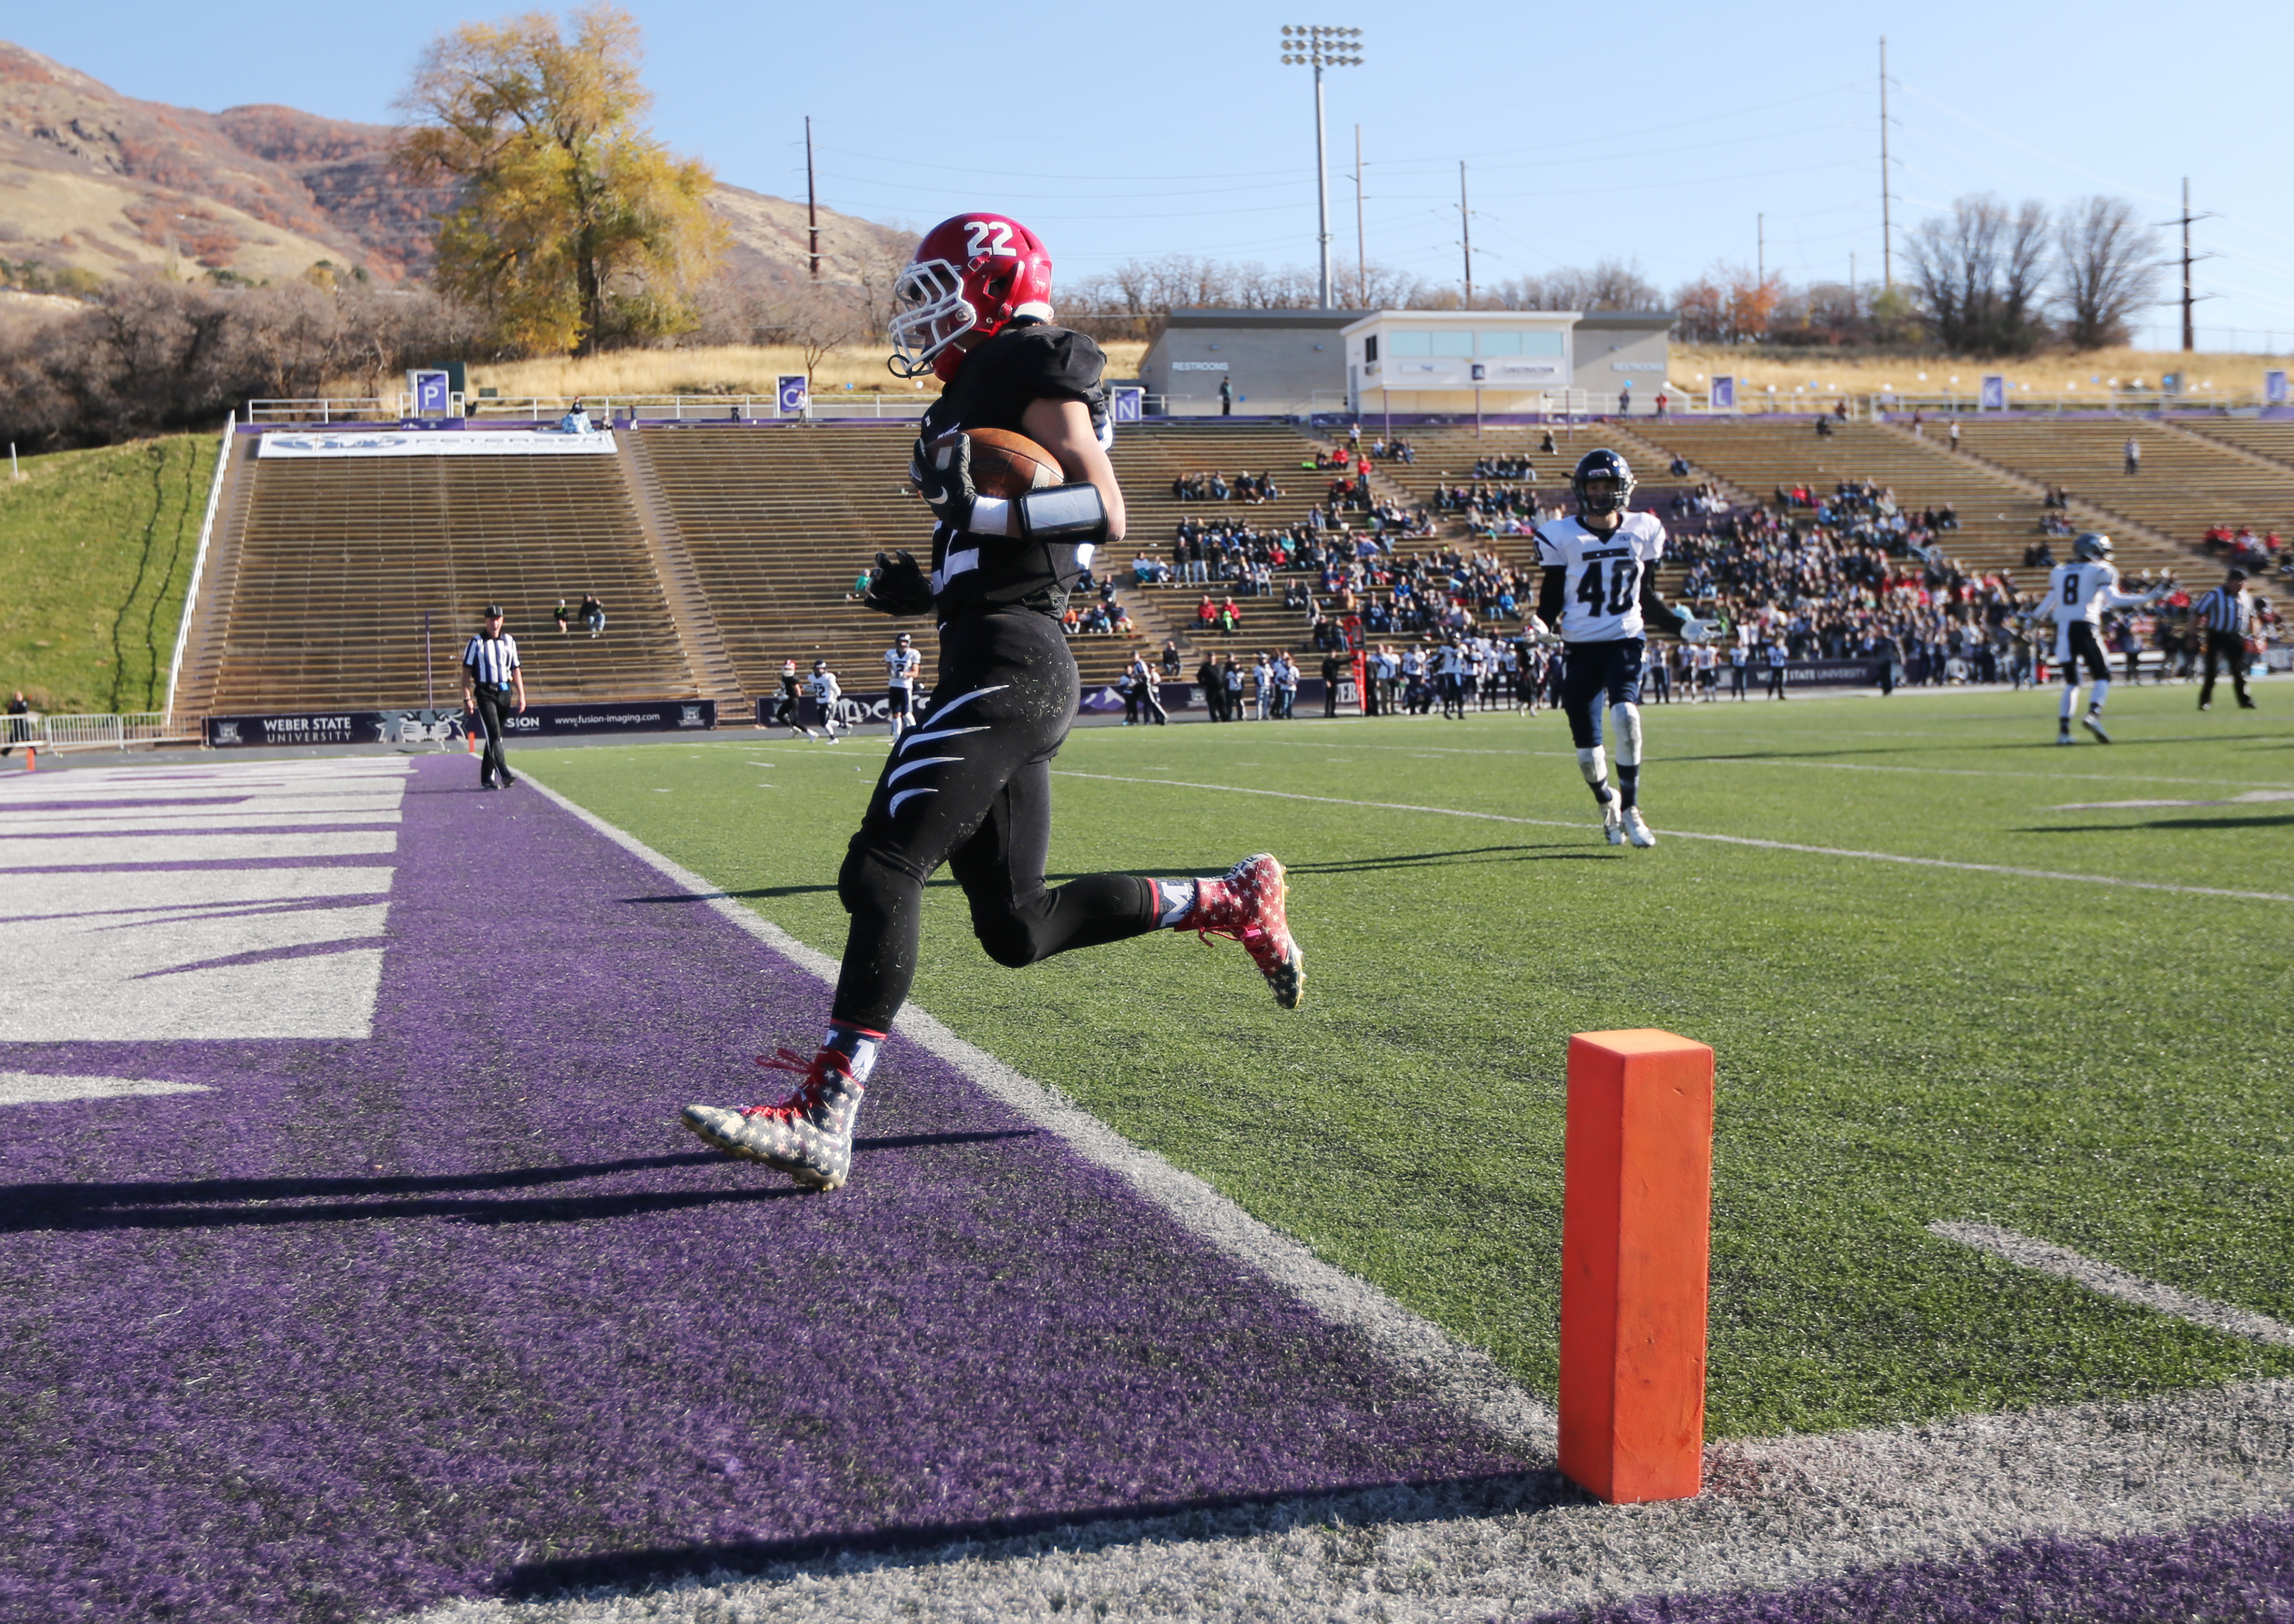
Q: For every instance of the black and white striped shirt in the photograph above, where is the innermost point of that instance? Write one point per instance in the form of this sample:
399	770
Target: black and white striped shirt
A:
2223	610
490	660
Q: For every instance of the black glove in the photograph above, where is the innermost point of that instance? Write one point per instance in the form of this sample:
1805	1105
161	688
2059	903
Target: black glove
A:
942	469
898	585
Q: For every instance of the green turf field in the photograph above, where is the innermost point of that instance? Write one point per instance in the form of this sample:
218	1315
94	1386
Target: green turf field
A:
2101	1067
96	549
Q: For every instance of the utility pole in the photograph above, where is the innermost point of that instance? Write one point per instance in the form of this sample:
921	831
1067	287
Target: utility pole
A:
812	200
2186	219
2190	335
1318	47
1887	230
1362	253
1465	229
1760	250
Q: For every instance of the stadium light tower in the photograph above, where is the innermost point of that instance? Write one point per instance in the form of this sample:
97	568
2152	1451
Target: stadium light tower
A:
1313	45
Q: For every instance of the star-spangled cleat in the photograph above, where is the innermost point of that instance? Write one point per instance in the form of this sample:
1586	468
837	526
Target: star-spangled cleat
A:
1612	823
2094	725
1249	904
1637	829
808	1136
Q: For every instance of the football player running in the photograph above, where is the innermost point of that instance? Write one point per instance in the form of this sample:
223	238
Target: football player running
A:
970	786
826	691
1598	592
902	664
2077	593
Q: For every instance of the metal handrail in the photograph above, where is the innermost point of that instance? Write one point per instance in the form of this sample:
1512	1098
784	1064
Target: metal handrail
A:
199	559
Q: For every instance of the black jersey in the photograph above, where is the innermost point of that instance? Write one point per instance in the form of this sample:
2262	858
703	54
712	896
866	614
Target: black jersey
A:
1026	362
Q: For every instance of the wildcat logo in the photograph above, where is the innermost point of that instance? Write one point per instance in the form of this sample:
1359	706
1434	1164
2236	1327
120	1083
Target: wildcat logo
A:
688	716
226	732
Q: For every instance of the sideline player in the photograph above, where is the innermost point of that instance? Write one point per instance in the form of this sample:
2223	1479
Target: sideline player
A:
784	714
2077	593
970	786
1597	591
902	664
826	691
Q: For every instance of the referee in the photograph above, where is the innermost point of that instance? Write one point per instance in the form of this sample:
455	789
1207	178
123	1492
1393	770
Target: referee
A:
490	675
2224	617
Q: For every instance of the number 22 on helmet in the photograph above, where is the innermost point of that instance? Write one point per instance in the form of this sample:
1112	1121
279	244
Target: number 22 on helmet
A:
973	273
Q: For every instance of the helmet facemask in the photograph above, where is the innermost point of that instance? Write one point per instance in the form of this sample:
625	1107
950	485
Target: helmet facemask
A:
930	313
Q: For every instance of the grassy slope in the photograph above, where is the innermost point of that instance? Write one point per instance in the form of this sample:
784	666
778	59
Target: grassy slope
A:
97	550
2103	1067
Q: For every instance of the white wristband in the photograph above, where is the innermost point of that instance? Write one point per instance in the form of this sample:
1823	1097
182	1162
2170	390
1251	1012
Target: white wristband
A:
990	516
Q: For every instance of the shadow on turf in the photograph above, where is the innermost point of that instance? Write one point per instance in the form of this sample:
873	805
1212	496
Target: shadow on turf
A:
2275	821
205	1203
1096	1528
1549	852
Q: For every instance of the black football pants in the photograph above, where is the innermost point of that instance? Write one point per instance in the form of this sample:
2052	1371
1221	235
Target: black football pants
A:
2229	649
492	767
971	786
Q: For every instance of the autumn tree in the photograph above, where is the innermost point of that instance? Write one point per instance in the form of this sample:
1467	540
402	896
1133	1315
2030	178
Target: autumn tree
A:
2107	268
1982	273
573	226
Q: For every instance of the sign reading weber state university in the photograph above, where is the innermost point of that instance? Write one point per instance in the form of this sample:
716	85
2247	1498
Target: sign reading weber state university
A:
447	726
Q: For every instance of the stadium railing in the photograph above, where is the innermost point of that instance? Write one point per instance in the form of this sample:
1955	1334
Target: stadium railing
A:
90	732
602	409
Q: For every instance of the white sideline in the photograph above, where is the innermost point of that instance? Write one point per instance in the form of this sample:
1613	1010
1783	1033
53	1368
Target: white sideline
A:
2064	1264
1464	1377
1725	840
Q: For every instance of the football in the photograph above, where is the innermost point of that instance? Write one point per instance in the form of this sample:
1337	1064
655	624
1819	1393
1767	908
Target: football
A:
1008	465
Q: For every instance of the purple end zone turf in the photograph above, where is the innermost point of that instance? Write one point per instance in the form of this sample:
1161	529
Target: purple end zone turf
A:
460	1310
2217	1574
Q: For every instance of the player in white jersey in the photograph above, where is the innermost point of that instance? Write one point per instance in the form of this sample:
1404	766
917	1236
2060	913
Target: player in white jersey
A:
1598	592
824	690
2077	593
902	664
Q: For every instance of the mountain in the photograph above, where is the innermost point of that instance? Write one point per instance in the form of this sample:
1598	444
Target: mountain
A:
94	179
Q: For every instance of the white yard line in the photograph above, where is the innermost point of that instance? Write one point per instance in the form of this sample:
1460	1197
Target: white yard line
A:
1830	767
2064	1264
1465	1377
1725	840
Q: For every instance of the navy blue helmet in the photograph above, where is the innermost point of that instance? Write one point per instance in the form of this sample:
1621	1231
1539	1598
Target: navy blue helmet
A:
1602	463
2093	544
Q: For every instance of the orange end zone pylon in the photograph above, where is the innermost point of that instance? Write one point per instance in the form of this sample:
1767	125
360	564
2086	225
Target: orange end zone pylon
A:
1636	1242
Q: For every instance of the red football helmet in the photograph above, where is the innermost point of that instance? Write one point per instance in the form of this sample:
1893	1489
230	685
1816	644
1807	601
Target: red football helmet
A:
971	274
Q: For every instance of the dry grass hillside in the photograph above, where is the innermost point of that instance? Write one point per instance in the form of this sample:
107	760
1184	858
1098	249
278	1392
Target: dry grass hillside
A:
2071	377
94	179
723	369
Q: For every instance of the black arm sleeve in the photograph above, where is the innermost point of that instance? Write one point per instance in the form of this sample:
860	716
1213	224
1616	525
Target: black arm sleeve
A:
1549	596
1655	610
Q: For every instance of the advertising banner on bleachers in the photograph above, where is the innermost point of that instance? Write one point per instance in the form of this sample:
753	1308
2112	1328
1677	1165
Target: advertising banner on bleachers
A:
450	727
435	442
2273	387
1724	394
793	394
1824	673
1993	396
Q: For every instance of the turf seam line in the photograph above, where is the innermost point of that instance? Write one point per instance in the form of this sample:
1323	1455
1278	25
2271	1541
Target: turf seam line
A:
1725	840
2062	1262
1465	1377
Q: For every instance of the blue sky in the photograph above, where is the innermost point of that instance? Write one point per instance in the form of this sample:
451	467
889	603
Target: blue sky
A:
1657	132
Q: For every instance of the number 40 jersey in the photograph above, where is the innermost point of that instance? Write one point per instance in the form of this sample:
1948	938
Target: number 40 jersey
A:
1601	587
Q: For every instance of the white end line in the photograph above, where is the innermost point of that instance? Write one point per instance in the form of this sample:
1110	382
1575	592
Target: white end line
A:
2064	1264
1725	840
